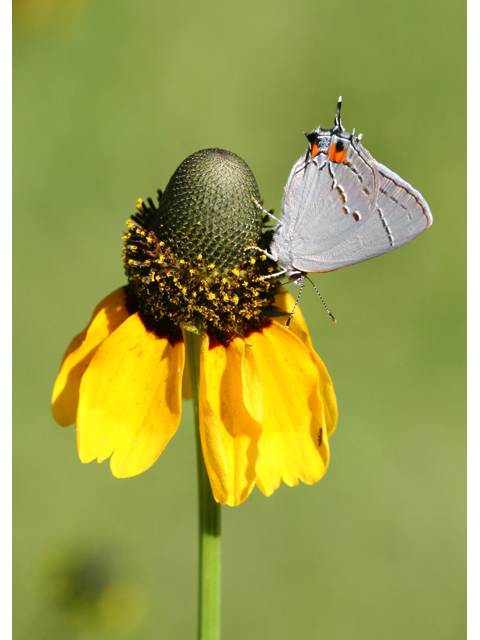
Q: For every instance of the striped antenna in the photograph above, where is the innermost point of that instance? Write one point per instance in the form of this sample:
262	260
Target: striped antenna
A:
330	315
302	284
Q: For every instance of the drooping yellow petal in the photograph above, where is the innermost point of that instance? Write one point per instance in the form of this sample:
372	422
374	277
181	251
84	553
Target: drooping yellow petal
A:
78	339
108	315
130	399
294	443
298	326
230	418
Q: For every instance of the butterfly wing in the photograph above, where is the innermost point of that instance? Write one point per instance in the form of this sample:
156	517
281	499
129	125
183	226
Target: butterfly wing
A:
400	215
328	201
404	208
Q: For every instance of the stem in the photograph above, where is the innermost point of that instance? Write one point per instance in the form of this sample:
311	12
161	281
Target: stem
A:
209	517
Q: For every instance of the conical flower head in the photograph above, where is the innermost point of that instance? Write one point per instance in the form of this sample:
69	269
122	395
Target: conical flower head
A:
196	265
197	257
207	209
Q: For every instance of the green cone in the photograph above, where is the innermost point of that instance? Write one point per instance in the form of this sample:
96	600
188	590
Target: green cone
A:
207	209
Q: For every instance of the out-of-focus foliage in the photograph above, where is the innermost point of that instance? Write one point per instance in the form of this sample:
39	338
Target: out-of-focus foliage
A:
84	590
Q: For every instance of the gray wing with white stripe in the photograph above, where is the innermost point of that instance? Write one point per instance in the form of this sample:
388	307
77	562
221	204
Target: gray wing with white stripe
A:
400	215
336	199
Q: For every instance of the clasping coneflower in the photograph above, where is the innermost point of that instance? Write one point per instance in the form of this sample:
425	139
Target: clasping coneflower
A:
200	314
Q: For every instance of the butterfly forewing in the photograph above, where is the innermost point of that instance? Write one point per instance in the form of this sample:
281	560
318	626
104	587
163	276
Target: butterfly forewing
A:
338	199
400	215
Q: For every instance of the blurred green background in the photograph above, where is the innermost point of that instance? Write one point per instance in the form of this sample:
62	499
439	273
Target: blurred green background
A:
110	96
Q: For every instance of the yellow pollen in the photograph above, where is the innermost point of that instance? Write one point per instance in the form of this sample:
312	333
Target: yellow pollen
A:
179	289
139	201
263	257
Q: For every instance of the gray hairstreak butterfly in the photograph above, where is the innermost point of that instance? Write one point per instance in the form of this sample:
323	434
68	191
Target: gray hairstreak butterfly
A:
341	206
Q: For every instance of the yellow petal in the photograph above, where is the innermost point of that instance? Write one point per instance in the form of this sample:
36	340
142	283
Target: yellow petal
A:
130	399
78	339
230	418
299	327
108	315
294	443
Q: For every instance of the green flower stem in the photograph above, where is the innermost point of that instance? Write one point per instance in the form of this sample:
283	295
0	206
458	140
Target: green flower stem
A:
209	517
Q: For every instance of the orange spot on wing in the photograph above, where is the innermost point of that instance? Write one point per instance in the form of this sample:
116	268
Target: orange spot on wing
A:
337	156
314	150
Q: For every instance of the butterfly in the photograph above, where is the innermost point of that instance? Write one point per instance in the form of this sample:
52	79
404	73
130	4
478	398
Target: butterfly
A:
340	206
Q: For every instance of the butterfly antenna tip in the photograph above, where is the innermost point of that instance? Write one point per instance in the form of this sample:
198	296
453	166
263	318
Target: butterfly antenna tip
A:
329	313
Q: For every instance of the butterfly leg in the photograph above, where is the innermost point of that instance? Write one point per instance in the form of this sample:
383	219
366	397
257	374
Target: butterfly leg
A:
264	251
264	211
273	275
